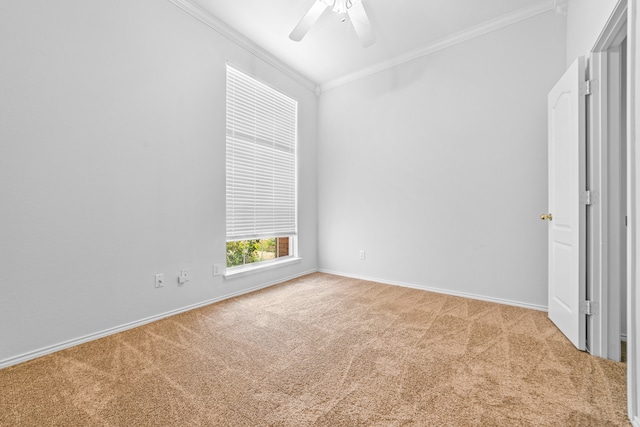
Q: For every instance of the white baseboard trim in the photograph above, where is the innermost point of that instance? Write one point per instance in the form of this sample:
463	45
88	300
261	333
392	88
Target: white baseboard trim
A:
439	290
623	337
636	422
91	337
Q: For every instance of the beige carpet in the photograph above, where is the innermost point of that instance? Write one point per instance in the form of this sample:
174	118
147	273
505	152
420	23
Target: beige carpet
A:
324	350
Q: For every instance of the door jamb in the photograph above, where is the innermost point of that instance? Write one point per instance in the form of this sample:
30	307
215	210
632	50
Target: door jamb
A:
633	195
603	110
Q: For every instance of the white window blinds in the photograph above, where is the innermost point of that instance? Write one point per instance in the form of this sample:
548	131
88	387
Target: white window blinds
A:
261	159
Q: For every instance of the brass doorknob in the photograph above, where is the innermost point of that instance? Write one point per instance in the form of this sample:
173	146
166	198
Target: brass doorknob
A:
546	216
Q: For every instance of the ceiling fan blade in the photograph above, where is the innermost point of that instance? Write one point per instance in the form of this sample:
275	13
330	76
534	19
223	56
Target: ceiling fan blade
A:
361	24
308	20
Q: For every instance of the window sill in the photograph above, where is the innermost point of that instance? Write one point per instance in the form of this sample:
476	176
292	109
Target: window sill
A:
256	268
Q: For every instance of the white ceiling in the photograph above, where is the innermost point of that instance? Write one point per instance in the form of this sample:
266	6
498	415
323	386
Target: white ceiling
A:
331	51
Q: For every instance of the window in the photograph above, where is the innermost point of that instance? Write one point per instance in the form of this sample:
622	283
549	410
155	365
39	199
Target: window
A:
242	252
261	172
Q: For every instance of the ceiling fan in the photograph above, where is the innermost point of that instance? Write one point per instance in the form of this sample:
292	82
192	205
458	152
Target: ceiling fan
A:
353	8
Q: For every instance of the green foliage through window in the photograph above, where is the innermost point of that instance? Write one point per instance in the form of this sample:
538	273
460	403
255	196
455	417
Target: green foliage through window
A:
249	251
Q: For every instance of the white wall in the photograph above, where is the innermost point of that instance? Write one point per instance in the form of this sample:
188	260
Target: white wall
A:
585	21
438	167
112	166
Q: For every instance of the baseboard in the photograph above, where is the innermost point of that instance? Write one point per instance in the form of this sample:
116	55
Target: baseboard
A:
91	337
623	337
439	290
636	422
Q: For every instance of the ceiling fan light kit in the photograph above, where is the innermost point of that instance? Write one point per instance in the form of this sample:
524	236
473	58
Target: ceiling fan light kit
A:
353	8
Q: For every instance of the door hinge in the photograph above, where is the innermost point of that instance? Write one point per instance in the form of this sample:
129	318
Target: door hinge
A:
588	87
589	197
590	308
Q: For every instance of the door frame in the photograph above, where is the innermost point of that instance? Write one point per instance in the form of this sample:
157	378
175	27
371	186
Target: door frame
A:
633	195
603	137
611	30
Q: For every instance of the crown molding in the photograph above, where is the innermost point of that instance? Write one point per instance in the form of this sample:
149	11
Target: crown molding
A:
242	41
561	6
542	6
511	18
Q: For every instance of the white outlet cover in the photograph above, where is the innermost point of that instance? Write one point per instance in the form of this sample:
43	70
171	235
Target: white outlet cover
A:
159	282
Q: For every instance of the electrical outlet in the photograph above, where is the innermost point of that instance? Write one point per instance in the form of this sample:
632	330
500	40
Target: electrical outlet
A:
159	280
362	254
184	276
216	269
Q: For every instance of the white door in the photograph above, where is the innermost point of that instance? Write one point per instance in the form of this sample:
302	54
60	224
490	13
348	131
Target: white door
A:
566	215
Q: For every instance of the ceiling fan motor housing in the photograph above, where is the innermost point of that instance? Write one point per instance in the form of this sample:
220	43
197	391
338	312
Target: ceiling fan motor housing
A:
341	6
